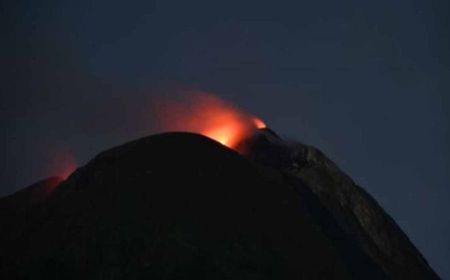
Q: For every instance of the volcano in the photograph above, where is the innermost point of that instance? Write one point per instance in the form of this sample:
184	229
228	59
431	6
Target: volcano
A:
183	206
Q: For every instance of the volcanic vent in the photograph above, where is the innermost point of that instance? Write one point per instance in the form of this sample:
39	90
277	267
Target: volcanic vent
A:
210	116
184	206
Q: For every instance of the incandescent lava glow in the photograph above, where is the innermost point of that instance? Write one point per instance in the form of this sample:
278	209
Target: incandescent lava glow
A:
210	116
61	162
259	123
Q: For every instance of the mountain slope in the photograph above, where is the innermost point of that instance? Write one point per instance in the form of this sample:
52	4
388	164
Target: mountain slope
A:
181	206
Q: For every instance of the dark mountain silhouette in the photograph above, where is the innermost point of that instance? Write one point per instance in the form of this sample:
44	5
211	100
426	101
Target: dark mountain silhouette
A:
182	206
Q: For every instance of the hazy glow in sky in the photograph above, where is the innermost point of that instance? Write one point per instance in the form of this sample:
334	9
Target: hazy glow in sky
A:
365	81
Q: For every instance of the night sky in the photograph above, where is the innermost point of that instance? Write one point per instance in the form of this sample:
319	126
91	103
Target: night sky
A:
367	83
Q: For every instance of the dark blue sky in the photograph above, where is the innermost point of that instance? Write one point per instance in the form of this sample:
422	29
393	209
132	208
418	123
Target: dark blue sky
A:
368	83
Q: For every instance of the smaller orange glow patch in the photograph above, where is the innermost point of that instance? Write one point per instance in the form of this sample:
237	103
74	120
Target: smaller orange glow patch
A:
259	123
61	162
53	184
66	165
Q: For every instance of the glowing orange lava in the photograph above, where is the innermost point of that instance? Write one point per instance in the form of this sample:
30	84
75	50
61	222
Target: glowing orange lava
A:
210	116
226	128
259	123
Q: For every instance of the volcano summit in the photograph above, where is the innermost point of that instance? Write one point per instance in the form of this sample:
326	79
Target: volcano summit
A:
183	206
